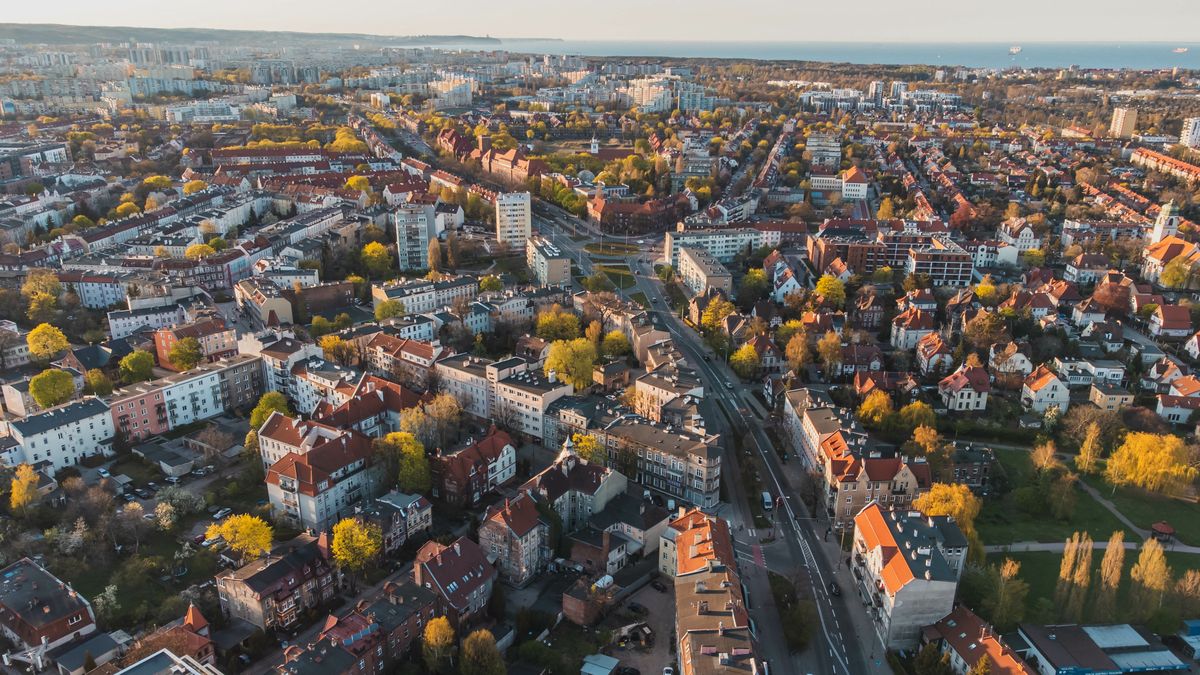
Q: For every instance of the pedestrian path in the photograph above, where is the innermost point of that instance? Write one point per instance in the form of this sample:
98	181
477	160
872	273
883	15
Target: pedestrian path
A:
1058	546
1112	508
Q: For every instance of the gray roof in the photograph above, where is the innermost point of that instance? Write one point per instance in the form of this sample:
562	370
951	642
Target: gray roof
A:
35	595
56	417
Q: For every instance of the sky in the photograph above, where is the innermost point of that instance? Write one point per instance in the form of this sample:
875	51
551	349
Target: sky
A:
709	20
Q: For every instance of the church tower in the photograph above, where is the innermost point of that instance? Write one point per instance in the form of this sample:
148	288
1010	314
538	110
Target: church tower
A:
1167	223
595	147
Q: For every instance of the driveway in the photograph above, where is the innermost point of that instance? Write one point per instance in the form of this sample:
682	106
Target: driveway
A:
661	620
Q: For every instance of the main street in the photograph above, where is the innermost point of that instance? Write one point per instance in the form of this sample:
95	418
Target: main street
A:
725	399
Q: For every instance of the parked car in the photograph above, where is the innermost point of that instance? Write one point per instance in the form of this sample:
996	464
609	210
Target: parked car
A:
128	497
103	473
153	486
658	586
668	670
142	493
173	480
222	514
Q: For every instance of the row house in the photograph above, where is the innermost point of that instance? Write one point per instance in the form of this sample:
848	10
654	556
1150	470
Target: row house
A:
462	478
277	591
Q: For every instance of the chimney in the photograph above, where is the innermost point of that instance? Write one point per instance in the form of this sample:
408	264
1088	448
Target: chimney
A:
702	607
457	549
552	376
720	628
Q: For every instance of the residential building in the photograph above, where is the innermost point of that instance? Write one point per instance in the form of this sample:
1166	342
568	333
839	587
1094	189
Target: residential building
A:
217	340
1043	390
523	398
516	536
965	389
550	266
906	567
400	517
465	476
1124	123
514	219
909	327
61	436
37	608
967	639
1107	396
280	352
574	488
1171	322
683	464
700	271
459	574
724	244
412	237
1190	136
278	590
263	302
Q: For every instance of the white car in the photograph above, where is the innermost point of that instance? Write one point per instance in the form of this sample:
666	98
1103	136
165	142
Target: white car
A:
103	473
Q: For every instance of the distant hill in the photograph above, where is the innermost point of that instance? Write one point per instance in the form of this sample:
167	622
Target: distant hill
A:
58	34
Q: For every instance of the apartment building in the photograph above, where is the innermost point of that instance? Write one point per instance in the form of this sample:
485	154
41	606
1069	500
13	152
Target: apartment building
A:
724	244
217	340
701	271
514	219
419	295
1124	123
316	489
682	464
61	436
465	476
37	608
516	536
280	352
459	574
943	261
472	380
905	567
263	302
550	265
400	517
411	225
278	590
1190	136
523	398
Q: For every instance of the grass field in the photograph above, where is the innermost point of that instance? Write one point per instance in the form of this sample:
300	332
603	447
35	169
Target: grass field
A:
640	298
618	273
1002	522
612	248
1145	509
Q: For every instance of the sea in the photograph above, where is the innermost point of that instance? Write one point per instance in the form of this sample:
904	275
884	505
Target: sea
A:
1132	55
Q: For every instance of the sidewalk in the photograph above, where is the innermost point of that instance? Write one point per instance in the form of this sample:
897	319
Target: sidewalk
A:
1057	547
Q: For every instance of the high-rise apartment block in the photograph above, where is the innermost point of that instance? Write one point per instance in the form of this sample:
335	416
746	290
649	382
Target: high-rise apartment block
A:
514	218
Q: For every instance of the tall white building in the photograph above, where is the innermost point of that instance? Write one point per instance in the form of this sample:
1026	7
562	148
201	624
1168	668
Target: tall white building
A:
1124	123
514	218
412	237
1191	133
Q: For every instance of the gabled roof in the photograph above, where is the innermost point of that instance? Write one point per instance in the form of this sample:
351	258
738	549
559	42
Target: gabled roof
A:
457	569
1041	378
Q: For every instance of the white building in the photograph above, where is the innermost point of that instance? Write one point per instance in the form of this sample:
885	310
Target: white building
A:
524	397
1190	136
62	436
412	237
192	396
724	244
514	218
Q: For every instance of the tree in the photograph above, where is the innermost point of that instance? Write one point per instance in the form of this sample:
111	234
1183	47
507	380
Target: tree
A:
1066	572
193	186
125	210
45	341
407	454
983	666
491	284
435	256
414	421
1112	566
745	362
831	290
198	251
917	414
1151	577
986	329
594	333
1006	602
389	309
829	348
356	544
875	408
1176	274
249	535
137	366
590	449
1043	457
1154	462
887	210
1089	450
52	387
480	655
753	287
133	524
986	292
376	259
186	354
955	500
615	344
797	351
715	313
557	324
1062	497
1082	579
437	644
572	360
165	516
338	350
95	381
358	184
270	402
23	489
319	326
157	183
666	274
41	281
444	413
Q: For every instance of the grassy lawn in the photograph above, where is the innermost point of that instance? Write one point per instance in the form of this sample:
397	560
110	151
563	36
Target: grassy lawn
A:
1040	570
135	467
612	248
1002	522
1146	508
572	643
675	295
618	274
640	298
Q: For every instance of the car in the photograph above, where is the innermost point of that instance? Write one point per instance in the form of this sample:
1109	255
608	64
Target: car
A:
153	486
147	516
173	480
222	514
638	609
142	492
103	473
834	589
658	586
128	497
729	386
668	670
198	539
199	472
707	357
641	241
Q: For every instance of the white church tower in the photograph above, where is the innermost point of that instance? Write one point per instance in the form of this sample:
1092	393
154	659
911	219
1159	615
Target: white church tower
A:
1167	223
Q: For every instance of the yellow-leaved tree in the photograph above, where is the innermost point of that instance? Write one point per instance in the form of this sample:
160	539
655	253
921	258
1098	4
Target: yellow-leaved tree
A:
958	502
1154	462
23	490
355	545
249	535
437	644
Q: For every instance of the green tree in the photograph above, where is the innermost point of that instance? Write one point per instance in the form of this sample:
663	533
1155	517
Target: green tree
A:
270	402
376	259
1006	603
491	284
45	341
480	655
931	661
95	381
186	354
572	360
407	454
917	414
319	326
745	362
137	366
52	387
666	273
389	309
831	290
753	287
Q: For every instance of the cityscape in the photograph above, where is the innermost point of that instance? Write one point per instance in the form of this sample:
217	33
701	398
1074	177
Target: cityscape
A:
348	353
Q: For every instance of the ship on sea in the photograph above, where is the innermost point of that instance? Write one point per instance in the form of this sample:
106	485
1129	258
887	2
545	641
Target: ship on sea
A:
1014	50
1180	50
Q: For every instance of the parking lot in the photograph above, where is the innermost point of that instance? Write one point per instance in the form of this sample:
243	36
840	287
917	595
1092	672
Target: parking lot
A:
660	617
